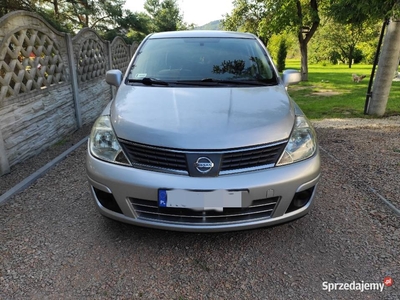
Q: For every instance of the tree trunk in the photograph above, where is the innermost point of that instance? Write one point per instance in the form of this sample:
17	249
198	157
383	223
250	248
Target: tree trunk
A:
55	3
303	40
304	60
388	63
351	57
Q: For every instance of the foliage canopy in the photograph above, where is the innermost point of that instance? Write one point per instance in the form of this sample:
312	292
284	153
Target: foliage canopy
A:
108	17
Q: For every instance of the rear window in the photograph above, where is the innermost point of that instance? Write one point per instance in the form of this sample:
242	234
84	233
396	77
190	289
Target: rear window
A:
201	58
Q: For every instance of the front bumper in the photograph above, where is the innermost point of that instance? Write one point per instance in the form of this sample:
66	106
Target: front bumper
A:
275	187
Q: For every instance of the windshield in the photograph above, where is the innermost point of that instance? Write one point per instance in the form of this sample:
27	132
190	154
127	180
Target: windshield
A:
202	59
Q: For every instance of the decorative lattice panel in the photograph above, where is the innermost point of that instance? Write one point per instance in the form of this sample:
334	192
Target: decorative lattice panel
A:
120	57
29	60
92	61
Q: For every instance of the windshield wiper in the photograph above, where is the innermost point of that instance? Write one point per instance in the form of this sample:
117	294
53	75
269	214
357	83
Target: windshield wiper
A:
149	81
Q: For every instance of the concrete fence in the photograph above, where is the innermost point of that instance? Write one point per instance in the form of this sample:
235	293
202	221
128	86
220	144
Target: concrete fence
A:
51	83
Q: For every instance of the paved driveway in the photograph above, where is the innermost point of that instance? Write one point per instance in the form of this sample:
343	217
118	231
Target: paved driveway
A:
54	244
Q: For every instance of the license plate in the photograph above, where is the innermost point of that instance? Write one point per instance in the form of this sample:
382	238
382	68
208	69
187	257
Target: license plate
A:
213	200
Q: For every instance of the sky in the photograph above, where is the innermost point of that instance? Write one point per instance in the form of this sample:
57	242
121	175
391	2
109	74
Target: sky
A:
199	12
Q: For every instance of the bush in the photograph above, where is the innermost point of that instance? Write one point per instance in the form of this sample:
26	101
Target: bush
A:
282	53
334	57
358	56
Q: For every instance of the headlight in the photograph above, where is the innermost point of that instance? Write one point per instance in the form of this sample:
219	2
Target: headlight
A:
104	144
302	143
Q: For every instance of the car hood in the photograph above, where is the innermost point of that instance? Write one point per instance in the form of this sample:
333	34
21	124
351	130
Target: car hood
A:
202	118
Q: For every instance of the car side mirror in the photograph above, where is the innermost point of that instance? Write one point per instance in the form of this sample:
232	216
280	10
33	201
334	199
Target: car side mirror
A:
291	76
114	77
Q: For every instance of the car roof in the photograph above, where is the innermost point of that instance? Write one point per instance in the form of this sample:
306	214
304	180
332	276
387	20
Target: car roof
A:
202	34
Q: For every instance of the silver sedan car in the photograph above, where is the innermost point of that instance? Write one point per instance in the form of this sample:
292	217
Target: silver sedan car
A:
202	136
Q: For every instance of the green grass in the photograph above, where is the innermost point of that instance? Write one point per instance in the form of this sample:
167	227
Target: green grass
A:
331	93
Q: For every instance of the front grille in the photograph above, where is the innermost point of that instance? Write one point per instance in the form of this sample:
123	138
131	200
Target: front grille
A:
154	157
233	160
149	210
252	158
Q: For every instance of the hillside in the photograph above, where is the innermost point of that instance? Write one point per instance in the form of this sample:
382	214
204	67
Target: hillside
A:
214	25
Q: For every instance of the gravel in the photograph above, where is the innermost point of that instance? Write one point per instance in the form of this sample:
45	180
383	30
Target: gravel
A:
55	245
369	149
22	170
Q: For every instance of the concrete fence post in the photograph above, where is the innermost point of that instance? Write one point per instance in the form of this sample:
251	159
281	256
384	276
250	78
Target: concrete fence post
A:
74	80
110	66
4	165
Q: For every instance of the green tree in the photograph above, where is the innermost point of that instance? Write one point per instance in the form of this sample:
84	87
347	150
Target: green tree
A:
72	15
356	12
165	15
7	6
275	16
291	43
342	41
249	16
138	25
282	53
96	14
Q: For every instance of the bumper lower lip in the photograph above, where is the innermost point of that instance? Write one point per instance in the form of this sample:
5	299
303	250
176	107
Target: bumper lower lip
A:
126	182
207	228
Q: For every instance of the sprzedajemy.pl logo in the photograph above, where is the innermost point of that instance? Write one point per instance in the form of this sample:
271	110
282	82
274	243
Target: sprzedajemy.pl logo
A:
357	286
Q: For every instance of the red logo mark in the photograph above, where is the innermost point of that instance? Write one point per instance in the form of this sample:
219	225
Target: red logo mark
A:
388	281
